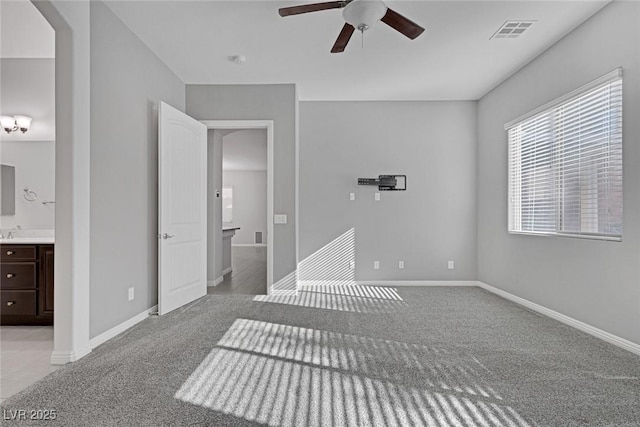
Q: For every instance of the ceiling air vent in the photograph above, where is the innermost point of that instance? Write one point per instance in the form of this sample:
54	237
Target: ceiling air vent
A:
512	29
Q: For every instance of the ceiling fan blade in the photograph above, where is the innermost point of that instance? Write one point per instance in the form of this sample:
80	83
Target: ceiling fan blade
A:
315	7
402	24
343	38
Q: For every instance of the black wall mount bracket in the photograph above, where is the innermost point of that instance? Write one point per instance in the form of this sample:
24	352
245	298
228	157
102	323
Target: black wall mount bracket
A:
386	182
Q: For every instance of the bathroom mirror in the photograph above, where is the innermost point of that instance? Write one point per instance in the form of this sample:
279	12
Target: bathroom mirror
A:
7	190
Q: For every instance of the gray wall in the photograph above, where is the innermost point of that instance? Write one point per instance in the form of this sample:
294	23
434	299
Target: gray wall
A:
27	86
432	222
127	82
249	204
592	281
34	163
214	205
261	102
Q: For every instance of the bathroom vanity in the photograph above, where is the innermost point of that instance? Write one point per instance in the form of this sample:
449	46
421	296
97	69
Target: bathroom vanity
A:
26	282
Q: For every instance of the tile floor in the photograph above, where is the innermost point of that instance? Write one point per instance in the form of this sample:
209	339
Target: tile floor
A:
24	357
249	275
25	350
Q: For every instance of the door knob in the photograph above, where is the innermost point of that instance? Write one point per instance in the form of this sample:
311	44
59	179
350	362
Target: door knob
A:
10	252
10	275
10	303
167	236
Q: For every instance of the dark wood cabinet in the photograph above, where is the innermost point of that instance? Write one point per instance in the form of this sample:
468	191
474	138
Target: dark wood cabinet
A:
26	284
46	276
19	275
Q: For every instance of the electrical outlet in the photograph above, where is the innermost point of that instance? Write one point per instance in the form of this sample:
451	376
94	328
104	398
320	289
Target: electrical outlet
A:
450	265
376	197
352	265
400	264
131	294
352	196
376	265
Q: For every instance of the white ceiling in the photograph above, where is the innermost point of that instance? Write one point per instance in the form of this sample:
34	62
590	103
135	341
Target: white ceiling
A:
24	33
245	150
453	59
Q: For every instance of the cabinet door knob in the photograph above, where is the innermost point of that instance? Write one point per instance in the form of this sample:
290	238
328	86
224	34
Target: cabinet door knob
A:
10	275
10	252
10	303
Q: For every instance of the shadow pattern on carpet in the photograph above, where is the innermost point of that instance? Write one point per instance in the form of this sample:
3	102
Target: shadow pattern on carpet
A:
448	356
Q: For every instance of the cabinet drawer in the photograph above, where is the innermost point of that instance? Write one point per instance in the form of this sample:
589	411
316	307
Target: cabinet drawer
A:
17	252
18	303
18	275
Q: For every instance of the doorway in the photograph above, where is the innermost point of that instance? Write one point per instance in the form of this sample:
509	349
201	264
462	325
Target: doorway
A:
27	216
240	207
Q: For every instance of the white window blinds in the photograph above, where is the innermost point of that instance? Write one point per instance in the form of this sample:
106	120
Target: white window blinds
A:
565	164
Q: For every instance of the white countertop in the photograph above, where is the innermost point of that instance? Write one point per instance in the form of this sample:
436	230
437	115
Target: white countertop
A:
28	240
28	237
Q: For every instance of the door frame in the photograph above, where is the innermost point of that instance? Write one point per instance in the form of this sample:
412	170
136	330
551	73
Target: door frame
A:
71	313
268	126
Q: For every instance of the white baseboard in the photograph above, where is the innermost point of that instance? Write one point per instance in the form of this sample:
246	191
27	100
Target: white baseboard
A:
64	357
107	335
387	283
250	245
215	282
227	271
584	327
416	283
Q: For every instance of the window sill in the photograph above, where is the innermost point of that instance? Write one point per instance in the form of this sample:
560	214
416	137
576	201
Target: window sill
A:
574	236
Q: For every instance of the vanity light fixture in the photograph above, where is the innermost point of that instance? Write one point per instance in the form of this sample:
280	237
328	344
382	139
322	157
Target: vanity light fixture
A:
14	123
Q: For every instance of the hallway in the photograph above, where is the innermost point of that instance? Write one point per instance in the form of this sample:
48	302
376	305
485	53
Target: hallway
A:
249	275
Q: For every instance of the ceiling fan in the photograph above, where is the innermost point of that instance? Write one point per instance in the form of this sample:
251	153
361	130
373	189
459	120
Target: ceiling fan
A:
360	14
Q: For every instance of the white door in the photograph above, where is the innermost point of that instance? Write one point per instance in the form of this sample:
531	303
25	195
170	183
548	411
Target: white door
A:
182	206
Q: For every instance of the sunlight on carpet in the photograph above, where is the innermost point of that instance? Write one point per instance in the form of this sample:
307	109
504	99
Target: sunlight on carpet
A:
285	375
357	299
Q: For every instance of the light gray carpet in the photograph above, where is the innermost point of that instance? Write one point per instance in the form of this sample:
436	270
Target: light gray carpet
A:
336	356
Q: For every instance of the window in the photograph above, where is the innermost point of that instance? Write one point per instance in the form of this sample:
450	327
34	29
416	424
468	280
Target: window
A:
227	204
565	164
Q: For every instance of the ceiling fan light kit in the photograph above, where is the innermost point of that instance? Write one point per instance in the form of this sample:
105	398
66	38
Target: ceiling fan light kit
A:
363	14
360	14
